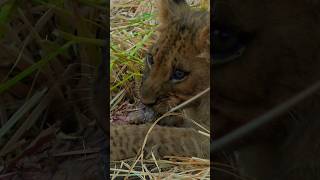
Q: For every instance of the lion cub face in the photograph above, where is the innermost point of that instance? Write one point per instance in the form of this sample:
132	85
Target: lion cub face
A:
177	66
265	52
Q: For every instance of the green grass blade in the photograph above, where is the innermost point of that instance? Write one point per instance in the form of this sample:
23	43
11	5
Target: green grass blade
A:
22	111
11	82
78	39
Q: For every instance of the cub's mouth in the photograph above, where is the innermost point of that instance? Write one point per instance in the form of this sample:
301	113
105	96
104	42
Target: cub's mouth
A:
165	104
162	106
151	112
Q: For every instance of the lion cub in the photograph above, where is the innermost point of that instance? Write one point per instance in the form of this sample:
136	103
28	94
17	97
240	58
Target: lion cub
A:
177	67
265	53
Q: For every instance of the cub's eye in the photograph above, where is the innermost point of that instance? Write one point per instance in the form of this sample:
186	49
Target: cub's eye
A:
178	75
227	44
149	59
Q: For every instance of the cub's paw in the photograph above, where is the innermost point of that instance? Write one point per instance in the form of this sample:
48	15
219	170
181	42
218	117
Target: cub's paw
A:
147	115
141	116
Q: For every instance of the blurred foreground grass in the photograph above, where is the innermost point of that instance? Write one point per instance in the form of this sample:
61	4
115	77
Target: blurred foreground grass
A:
49	51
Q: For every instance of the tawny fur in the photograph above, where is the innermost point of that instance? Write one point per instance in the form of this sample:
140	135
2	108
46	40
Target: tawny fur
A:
183	42
126	141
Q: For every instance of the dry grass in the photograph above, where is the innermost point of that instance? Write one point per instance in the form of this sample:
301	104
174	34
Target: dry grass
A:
132	26
172	168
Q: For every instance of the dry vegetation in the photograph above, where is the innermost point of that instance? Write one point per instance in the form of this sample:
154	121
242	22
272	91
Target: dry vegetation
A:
131	28
133	24
49	54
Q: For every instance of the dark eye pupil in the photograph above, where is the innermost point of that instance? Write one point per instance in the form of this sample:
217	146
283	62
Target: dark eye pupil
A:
178	74
227	43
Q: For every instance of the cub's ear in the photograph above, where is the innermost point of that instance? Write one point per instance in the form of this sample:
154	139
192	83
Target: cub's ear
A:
169	9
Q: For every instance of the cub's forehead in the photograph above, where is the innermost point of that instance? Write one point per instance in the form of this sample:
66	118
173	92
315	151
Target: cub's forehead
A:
169	42
175	37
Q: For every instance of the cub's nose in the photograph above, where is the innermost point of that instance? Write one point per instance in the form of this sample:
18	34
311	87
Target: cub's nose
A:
148	100
147	96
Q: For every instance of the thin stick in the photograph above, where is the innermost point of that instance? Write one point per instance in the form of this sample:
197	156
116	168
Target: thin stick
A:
264	119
